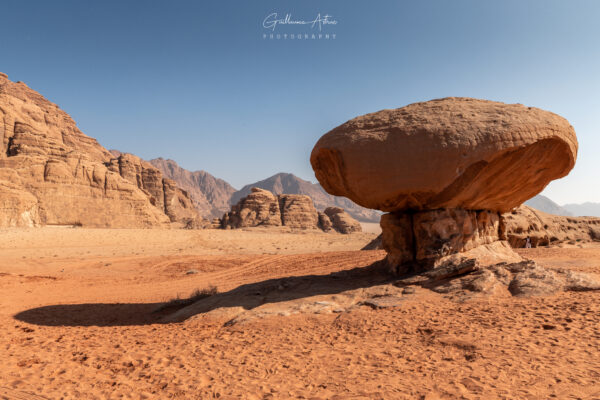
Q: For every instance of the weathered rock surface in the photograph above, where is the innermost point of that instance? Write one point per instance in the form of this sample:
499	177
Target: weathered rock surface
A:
210	195
547	229
444	169
259	208
325	222
341	221
298	211
465	278
415	241
543	229
459	279
447	153
51	173
263	208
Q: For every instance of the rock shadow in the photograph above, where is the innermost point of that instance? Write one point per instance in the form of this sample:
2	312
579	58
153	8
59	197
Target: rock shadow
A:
247	296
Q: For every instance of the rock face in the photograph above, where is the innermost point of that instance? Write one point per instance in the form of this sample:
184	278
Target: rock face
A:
51	173
263	208
444	170
210	195
259	208
546	229
424	237
288	183
448	153
298	211
341	221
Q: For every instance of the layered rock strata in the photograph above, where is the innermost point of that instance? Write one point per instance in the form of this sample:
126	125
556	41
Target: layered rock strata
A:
53	174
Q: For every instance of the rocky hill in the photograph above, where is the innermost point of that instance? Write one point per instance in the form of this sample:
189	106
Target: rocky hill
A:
210	195
290	184
53	174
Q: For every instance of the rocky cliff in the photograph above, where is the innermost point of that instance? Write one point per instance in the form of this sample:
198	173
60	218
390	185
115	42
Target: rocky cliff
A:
53	174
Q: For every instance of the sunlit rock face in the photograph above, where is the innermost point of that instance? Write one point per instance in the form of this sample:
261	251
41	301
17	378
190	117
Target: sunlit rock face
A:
444	170
53	174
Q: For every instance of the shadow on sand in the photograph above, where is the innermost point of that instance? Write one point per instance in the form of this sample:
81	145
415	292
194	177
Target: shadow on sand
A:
247	296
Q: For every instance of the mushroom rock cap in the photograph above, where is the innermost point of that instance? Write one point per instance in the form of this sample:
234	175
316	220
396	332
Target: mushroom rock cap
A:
447	153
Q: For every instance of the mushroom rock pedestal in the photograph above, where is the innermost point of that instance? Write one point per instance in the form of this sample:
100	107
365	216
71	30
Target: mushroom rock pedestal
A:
444	170
419	241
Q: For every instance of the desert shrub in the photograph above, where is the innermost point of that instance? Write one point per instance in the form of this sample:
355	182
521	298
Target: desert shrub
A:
195	296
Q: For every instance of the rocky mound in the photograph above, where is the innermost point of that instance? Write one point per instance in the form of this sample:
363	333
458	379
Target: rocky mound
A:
263	208
51	173
445	170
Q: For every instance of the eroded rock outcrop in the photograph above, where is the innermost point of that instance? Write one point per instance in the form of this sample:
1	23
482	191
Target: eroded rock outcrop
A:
263	208
51	173
298	211
444	170
341	221
259	208
546	229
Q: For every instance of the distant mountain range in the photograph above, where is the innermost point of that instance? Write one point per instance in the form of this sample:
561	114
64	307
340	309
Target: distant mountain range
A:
546	205
213	196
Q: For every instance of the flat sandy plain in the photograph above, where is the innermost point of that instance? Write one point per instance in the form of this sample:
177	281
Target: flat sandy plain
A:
76	322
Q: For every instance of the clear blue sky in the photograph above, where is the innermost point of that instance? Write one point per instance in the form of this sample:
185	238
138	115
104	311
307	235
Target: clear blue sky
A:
196	82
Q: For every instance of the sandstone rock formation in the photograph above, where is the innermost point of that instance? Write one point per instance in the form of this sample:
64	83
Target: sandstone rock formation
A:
444	169
448	153
546	229
211	196
341	221
51	173
259	208
288	183
298	211
263	208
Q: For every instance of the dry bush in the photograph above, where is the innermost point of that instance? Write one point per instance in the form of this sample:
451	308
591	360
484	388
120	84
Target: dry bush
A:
196	295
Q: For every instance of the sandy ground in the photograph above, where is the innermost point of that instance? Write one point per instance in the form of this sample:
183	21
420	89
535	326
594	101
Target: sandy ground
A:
76	322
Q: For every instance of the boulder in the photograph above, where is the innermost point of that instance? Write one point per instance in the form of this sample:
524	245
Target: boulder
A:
447	153
51	173
341	221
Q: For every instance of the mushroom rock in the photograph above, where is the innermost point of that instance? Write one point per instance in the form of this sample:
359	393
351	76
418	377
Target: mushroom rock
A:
444	170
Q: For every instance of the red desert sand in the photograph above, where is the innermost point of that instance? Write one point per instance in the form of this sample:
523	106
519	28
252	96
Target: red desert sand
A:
79	320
